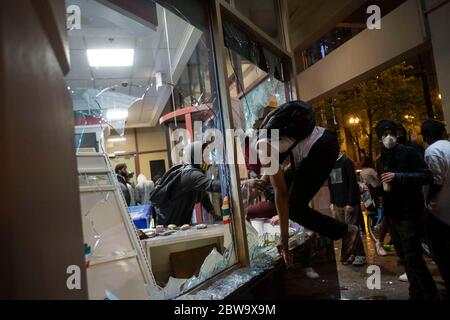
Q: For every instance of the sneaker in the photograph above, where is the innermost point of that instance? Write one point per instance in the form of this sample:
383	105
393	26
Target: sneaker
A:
311	273
380	249
349	260
403	277
389	247
360	261
349	239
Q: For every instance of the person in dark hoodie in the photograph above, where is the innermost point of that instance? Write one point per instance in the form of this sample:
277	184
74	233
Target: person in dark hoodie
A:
403	173
192	186
345	201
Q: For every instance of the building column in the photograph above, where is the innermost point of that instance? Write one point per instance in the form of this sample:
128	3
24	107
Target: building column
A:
439	25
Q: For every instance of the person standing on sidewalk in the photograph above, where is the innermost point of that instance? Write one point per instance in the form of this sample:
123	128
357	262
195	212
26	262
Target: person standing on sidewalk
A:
403	174
437	156
369	177
345	204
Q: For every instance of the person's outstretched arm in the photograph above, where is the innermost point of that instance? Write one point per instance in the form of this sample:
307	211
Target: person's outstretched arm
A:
282	205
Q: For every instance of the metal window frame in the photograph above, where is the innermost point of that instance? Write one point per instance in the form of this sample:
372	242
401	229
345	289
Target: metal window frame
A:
219	10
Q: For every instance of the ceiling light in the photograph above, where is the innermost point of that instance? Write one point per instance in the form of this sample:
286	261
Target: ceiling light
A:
110	57
116	114
117	139
440	96
118	152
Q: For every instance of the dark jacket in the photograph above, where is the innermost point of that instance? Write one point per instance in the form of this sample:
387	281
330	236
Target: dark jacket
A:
417	147
343	184
124	189
190	189
411	173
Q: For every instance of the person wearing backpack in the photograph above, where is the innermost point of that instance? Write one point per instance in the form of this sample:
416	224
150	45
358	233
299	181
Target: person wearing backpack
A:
180	188
312	151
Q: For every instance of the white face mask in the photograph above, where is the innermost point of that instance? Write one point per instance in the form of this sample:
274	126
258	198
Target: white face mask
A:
389	141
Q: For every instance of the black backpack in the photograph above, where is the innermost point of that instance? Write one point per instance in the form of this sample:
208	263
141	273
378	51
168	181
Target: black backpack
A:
162	192
295	119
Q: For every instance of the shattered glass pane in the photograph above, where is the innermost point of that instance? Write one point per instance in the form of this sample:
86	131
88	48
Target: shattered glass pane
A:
269	91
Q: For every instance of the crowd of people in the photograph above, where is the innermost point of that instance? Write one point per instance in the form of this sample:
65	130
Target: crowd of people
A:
396	184
309	156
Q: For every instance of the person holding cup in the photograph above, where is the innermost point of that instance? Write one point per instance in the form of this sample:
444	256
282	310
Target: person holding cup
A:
403	173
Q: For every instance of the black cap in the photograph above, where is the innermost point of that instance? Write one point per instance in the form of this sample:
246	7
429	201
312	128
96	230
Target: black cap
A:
384	125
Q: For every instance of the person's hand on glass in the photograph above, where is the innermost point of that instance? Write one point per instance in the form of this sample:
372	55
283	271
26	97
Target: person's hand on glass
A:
275	220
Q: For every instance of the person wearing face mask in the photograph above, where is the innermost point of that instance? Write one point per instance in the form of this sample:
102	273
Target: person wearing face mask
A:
183	186
122	177
403	173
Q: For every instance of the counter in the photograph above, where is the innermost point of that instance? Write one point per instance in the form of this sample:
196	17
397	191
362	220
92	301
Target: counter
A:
160	249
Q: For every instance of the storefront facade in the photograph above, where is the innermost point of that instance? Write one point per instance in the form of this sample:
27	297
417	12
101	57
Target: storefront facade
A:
205	55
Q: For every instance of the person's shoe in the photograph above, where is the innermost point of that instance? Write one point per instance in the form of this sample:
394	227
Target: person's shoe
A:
380	249
311	273
348	241
349	260
403	277
360	261
389	247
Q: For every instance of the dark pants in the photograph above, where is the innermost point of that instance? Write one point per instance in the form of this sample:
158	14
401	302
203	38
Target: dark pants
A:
307	181
396	240
439	235
351	218
409	231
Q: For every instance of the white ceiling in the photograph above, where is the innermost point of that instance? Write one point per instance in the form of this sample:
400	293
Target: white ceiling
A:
104	28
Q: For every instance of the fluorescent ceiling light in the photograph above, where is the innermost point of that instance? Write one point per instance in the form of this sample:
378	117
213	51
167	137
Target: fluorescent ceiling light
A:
119	152
117	139
110	57
116	114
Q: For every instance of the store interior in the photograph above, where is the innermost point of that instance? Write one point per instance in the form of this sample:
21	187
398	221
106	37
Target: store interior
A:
134	80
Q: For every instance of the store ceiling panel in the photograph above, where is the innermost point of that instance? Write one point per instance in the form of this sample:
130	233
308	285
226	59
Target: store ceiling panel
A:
104	28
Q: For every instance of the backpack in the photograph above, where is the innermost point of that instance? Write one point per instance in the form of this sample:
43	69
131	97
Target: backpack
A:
161	193
295	119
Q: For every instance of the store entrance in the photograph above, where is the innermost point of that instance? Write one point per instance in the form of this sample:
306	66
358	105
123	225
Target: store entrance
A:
135	80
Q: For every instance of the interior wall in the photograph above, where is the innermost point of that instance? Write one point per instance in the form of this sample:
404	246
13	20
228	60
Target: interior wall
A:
439	23
151	145
144	162
151	139
129	145
402	32
40	221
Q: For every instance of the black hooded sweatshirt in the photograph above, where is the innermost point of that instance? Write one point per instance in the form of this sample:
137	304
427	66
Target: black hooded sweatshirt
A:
411	174
190	189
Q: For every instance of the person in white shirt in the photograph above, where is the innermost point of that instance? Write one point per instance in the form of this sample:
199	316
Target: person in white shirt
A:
437	156
312	152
